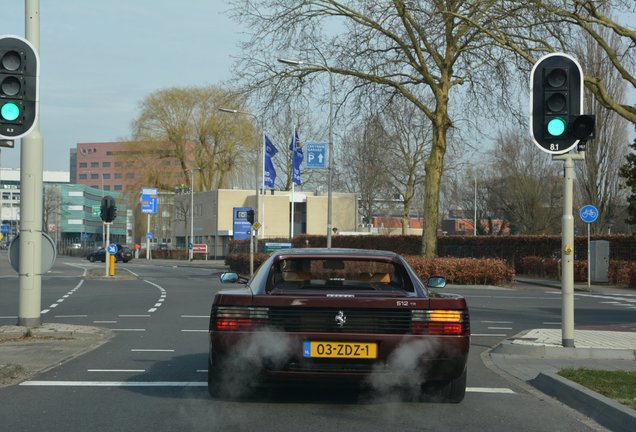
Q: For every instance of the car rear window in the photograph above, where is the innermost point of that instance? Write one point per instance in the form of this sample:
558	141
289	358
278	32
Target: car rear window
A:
334	273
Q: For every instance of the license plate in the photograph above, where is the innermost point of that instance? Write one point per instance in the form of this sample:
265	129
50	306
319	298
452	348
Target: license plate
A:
324	349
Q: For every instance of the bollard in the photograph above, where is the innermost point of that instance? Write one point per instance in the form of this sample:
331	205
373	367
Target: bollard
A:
111	267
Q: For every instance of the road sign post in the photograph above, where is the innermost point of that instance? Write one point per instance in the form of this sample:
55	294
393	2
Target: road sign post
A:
149	204
588	214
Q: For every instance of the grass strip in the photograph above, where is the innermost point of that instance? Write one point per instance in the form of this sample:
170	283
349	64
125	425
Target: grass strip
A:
617	385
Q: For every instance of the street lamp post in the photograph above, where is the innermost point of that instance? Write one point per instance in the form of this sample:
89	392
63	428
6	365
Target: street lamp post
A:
191	245
258	171
330	144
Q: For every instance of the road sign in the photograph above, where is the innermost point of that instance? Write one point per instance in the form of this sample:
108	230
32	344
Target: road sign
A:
112	248
4	229
96	210
85	235
316	155
588	213
148	235
149	200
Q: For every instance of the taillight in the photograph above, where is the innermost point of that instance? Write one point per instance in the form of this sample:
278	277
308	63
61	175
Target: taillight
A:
239	318
439	322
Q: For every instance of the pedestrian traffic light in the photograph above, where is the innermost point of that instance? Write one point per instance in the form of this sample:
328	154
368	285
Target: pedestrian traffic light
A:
556	104
108	209
19	82
250	216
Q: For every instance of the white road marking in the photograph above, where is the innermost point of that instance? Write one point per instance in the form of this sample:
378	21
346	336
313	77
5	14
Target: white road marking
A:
497	322
132	272
71	316
104	322
499	390
162	297
491	390
151	350
206	330
116	383
65	296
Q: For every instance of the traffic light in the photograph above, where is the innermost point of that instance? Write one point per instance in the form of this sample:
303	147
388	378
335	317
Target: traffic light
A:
108	209
19	82
556	104
250	216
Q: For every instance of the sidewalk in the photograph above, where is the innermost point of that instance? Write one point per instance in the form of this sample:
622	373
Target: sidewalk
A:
536	356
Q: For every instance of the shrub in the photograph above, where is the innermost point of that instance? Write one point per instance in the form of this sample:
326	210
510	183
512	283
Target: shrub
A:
464	271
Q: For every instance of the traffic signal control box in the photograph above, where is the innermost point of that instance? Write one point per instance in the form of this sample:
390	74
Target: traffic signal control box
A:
19	87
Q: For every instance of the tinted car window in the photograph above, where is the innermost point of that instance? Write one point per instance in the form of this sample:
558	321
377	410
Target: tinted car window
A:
333	272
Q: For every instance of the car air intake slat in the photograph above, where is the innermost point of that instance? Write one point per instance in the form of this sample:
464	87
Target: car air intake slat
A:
371	321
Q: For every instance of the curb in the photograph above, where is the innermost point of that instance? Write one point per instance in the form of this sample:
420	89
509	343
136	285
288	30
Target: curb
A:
562	353
603	410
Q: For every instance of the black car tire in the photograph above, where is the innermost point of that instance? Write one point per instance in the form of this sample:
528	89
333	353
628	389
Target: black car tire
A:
214	379
91	258
450	391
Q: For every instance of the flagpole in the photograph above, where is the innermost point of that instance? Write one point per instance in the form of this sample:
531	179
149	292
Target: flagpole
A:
262	232
293	200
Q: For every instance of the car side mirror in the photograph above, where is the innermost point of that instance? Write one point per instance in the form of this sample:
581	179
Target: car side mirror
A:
231	277
437	282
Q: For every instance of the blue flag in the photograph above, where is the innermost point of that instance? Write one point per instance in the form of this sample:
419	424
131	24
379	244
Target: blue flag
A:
269	174
298	157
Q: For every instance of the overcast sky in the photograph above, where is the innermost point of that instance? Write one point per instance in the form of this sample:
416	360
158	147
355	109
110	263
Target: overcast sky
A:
100	59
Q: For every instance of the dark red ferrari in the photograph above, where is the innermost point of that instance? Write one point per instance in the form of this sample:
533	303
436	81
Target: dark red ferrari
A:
335	316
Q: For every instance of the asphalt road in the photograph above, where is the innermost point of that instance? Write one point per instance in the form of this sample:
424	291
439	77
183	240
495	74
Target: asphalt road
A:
152	374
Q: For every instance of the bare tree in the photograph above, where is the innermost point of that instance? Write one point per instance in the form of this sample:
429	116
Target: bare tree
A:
531	28
524	187
185	124
417	50
52	207
363	156
598	179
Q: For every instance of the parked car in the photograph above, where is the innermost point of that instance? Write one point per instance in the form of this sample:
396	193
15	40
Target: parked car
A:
339	315
123	254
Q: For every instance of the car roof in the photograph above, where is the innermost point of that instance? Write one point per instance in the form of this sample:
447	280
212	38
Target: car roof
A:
336	252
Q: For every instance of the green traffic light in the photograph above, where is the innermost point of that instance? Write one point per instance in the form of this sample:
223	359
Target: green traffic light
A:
10	111
556	127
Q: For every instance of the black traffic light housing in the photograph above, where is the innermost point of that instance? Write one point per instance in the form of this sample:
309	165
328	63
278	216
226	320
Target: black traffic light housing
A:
250	216
108	209
556	104
19	87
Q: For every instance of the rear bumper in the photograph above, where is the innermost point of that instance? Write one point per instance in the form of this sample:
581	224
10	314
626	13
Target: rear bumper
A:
279	357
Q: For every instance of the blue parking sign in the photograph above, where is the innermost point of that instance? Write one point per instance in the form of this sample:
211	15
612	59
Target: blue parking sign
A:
316	155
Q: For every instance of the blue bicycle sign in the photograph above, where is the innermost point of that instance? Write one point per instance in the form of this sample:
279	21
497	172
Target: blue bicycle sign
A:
588	213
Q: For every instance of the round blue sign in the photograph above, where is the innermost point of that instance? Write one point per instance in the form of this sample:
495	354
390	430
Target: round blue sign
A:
588	213
112	248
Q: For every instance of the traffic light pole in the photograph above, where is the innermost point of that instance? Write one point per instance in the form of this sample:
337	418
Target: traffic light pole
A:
107	254
567	249
31	165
